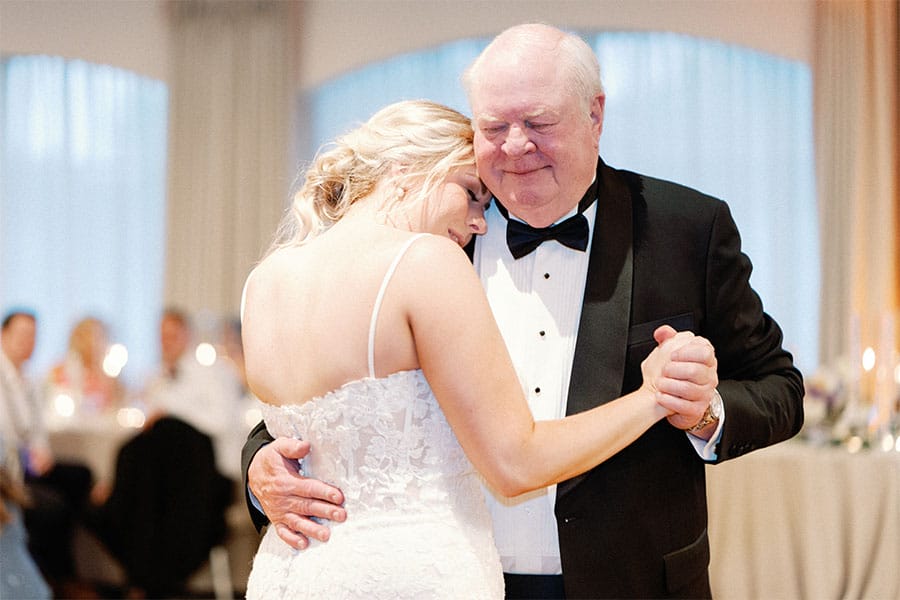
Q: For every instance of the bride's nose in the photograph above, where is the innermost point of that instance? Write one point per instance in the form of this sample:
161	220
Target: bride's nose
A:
477	223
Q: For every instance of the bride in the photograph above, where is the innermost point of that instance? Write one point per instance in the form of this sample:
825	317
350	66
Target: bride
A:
367	333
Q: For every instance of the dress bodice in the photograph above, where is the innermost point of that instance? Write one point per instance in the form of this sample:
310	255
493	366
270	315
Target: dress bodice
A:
384	441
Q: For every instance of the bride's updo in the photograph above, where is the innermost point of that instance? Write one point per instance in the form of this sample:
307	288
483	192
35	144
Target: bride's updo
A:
423	139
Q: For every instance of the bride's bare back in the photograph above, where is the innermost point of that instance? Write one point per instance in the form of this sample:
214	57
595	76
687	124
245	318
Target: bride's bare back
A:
308	309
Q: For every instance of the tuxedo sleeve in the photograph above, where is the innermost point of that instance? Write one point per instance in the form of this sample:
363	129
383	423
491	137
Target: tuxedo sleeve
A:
761	389
257	438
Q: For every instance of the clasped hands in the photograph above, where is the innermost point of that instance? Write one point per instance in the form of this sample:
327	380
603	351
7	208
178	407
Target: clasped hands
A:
687	380
683	377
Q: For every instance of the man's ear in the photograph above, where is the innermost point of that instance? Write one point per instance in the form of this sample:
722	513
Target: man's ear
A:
597	106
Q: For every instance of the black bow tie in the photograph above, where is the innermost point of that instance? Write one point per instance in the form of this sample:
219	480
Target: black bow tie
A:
522	238
574	232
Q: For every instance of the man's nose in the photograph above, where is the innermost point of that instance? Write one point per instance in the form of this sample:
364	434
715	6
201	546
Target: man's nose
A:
517	142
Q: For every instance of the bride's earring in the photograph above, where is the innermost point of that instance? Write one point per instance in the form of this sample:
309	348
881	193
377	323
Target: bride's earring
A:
398	213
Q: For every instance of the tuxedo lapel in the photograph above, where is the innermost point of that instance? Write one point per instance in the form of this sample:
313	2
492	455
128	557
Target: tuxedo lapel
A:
600	349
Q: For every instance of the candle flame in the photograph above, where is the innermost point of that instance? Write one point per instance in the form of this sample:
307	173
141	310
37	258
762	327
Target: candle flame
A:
868	359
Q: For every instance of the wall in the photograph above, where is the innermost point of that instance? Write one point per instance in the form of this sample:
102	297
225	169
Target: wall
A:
339	35
125	33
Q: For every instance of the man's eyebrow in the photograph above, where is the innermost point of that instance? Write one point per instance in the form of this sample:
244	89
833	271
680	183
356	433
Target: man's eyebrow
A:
539	112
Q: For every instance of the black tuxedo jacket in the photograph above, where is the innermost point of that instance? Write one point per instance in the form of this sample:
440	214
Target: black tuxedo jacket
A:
635	526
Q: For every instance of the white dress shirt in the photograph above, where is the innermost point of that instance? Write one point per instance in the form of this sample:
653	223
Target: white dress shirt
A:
537	301
21	416
206	397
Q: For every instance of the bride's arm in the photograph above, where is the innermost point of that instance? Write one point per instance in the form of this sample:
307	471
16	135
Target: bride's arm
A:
465	360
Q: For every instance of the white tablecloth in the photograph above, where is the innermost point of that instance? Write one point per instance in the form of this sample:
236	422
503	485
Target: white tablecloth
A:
795	521
93	440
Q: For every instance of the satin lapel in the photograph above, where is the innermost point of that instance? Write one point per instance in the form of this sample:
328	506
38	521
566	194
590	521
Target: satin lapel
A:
600	349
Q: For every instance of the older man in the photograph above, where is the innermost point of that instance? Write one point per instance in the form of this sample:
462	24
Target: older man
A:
627	253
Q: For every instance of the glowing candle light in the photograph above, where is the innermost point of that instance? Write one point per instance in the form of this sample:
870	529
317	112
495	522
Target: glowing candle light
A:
64	405
115	360
868	359
206	354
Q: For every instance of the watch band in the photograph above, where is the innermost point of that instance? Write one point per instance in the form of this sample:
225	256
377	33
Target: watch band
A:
712	413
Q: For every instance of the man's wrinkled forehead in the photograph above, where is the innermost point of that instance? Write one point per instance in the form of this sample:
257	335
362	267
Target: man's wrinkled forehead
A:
528	91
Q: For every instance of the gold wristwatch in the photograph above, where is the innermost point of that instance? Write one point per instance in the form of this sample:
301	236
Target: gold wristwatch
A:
713	413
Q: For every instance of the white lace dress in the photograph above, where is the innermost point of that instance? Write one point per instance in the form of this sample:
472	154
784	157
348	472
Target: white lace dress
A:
417	525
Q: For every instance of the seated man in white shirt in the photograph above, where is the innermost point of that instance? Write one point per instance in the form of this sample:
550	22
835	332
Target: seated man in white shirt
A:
205	396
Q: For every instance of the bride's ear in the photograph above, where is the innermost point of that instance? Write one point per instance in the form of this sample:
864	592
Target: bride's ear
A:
397	174
399	179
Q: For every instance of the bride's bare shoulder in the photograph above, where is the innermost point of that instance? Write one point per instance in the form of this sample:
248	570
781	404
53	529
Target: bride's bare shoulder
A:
280	262
271	274
437	254
433	262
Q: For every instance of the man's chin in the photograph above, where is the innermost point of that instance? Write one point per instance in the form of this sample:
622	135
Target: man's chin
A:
532	208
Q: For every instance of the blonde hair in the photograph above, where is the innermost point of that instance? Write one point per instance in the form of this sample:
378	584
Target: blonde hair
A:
84	339
418	142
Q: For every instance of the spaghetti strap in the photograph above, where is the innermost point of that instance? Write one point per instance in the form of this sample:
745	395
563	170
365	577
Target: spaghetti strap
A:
380	297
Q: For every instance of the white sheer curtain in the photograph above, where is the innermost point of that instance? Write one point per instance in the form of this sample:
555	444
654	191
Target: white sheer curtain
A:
736	124
727	120
82	201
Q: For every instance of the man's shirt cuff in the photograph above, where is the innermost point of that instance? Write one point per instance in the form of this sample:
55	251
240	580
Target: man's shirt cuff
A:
706	449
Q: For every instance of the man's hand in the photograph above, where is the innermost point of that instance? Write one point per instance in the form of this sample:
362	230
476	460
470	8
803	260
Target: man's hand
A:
289	499
688	381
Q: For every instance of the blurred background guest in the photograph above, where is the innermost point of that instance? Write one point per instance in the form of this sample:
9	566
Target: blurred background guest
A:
81	375
207	395
57	491
166	508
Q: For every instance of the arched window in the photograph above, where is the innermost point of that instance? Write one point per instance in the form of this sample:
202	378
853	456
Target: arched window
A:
727	120
82	201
